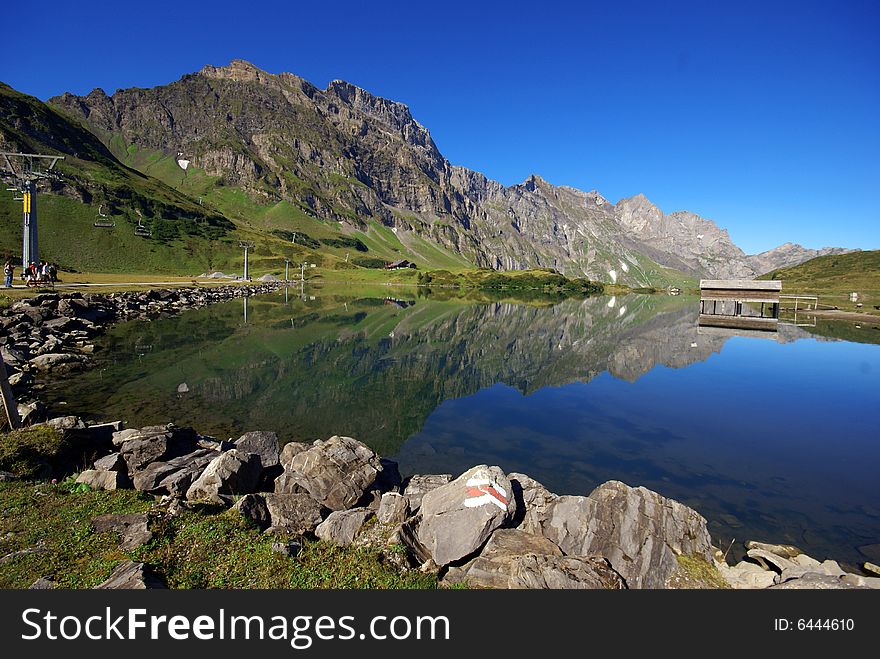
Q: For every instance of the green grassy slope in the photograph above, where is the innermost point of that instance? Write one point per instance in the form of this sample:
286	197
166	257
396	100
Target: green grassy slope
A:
195	220
834	277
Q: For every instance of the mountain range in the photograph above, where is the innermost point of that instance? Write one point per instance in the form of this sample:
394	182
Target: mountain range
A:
238	151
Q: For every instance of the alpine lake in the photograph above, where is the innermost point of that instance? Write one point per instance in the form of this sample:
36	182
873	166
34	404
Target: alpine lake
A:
772	438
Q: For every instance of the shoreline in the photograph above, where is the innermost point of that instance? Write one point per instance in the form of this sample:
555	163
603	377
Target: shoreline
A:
482	529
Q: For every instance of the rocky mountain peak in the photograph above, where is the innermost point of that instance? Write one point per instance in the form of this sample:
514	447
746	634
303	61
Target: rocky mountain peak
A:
238	69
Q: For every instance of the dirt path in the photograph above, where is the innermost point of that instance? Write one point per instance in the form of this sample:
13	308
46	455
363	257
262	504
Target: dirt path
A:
844	315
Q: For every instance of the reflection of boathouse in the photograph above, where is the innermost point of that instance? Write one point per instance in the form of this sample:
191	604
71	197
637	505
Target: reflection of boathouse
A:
740	303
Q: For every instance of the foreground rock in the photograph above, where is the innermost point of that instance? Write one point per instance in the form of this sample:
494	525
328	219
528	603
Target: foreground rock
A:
98	479
515	559
458	518
133	529
262	443
638	531
129	575
343	526
336	472
232	472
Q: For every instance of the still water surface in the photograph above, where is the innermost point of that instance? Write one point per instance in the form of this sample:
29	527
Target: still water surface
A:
769	438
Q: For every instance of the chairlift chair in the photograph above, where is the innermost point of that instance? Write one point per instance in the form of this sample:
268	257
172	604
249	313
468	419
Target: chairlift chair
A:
103	221
141	230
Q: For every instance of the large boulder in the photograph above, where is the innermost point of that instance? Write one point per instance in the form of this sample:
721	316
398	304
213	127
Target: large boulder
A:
262	443
458	518
639	531
336	472
232	472
293	513
532	500
342	526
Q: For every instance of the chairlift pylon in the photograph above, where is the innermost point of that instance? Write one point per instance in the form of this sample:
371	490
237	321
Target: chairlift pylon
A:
103	221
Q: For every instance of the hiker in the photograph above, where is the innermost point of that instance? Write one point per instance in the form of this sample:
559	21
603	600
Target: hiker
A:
8	270
30	274
44	272
53	273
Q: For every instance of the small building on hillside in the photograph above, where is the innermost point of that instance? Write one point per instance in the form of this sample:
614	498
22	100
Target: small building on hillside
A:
740	304
397	265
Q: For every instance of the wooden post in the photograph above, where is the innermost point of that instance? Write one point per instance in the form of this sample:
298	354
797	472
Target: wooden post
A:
9	404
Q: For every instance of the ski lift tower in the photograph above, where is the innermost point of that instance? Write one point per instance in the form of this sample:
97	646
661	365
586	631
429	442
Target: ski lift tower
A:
24	169
246	246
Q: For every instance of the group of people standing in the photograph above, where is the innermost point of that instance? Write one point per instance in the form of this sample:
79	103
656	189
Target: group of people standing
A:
35	274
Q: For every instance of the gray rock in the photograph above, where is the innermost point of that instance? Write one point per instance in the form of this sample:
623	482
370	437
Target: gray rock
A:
291	549
785	551
262	443
393	509
232	472
7	476
639	531
342	526
290	450
745	575
458	518
253	508
568	572
140	447
133	529
65	423
293	513
415	487
859	580
104	480
830	568
138	453
129	575
336	472
407	535
174	476
772	561
112	462
58	362
816	581
872	568
43	583
287	483
532	500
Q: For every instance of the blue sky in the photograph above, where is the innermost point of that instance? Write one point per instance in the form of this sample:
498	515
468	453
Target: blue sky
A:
760	115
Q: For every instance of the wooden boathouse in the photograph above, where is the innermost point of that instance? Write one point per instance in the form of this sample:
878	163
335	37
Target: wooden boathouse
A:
745	304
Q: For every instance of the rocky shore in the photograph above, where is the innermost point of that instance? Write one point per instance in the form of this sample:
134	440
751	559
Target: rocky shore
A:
483	528
53	333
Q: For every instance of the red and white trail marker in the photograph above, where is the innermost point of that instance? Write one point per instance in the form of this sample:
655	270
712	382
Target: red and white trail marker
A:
482	491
